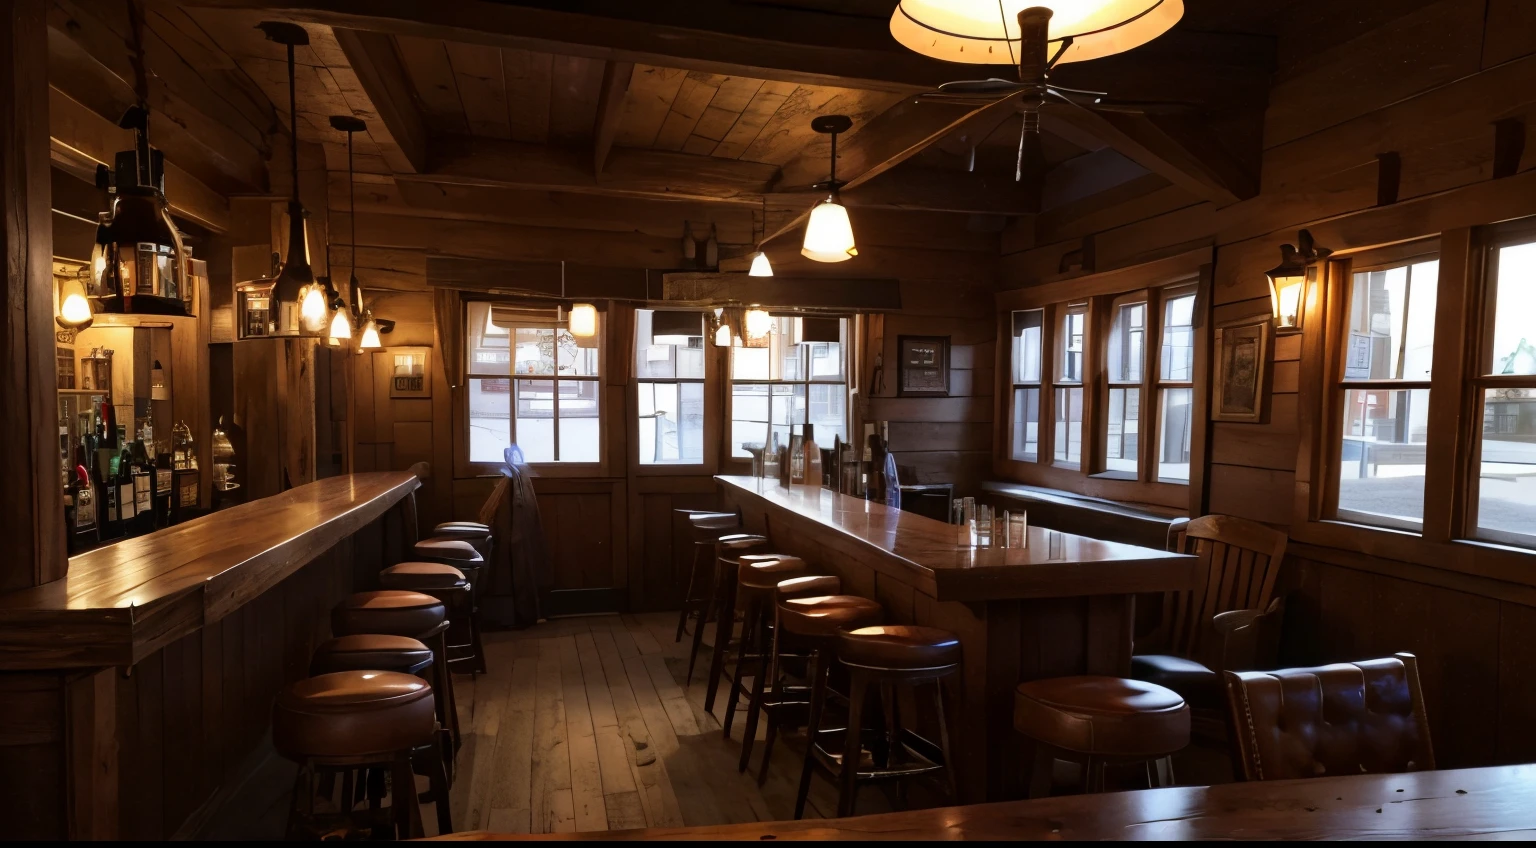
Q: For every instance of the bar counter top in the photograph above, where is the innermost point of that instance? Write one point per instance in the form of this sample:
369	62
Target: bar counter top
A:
124	601
926	554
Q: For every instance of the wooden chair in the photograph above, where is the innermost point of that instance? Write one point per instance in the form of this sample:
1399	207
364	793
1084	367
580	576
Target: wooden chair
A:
1364	717
1230	620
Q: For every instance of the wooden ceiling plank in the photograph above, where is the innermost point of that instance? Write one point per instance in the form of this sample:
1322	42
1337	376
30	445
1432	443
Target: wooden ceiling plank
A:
758	112
431	75
395	124
692	99
610	110
575	88
487	240
646	105
1184	154
1089	174
529	77
482	88
706	289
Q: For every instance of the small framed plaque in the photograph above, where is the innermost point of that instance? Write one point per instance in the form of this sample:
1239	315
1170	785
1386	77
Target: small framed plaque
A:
409	375
922	366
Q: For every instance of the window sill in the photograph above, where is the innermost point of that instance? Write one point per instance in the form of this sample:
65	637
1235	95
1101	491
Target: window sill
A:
1114	475
1407	555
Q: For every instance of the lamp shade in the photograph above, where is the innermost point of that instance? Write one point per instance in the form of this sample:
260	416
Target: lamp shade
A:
370	338
583	320
341	326
758	323
829	234
74	308
986	32
313	309
760	266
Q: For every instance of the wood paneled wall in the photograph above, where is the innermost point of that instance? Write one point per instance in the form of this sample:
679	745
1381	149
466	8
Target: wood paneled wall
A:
1425	81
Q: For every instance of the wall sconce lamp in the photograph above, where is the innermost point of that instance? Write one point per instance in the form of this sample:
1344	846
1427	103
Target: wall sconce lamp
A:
1290	281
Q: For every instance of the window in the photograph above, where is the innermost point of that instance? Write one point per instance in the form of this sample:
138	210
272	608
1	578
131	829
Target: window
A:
1068	405
1505	502
1388	344
1125	350
669	371
798	378
1175	385
1027	326
530	383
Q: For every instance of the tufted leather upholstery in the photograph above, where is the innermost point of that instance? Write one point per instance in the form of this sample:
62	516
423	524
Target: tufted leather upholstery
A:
370	652
392	612
1198	684
1348	718
1102	716
451	551
417	576
824	615
898	646
763	576
353	714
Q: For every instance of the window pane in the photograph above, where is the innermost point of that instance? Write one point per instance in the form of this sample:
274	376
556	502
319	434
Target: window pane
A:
535	419
680	356
1179	339
761	412
533	350
1381	466
1026	345
1174	431
1124	426
827	411
1392	323
1026	424
487	348
490	418
579	423
826	360
1506	487
1069	368
575	361
1514	303
671	423
1126	341
1069	426
750	363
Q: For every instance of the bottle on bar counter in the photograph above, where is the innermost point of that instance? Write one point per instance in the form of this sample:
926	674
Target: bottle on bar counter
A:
81	515
143	487
811	458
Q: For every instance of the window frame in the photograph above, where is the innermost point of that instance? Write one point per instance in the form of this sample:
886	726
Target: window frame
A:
713	357
1157	384
1018	384
847	332
1151	282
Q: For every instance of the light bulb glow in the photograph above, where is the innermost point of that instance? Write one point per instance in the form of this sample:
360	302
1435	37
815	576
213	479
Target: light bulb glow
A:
370	339
723	335
759	323
760	266
987	31
583	320
829	234
341	326
312	308
75	311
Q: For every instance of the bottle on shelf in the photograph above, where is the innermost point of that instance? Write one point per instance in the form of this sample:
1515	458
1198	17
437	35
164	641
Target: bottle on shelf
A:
810	458
109	521
143	488
82	528
123	481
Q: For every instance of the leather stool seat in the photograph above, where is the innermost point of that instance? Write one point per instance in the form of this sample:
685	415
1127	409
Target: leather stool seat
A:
371	652
461	529
1102	716
824	615
392	611
353	714
898	646
452	551
764	573
422	575
1199	685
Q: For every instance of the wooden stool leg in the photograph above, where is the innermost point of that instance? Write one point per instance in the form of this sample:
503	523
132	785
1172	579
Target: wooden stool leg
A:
746	646
949	762
688	598
853	744
402	799
818	675
1043	773
437	776
725	612
711	600
768	674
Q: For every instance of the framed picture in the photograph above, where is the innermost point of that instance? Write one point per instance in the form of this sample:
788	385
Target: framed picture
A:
410	376
922	364
1242	352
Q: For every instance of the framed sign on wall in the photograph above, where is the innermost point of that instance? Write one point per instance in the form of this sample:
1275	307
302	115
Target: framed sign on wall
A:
409	375
922	364
1242	350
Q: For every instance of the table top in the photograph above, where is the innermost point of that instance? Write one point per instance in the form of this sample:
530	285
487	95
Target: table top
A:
1497	802
927	555
120	601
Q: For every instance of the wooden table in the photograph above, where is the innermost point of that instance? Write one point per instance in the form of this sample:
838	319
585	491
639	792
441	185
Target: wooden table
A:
134	687
1498	802
1061	605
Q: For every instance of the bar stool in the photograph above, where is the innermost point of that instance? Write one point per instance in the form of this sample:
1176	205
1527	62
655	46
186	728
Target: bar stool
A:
371	652
476	534
722	604
757	575
704	528
1093	720
771	691
891	656
359	720
449	585
463	556
816	621
418	616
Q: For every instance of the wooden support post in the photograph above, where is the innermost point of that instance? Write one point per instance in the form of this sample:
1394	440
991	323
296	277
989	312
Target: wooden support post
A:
32	499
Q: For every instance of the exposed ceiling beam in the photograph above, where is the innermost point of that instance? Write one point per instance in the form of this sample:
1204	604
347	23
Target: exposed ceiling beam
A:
1185	153
782	291
397	126
610	108
544	279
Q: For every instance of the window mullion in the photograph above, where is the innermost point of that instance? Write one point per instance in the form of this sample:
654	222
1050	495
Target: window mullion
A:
1151	400
1455	410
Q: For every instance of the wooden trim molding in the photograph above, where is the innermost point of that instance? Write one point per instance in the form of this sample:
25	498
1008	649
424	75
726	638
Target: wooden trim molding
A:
1119	281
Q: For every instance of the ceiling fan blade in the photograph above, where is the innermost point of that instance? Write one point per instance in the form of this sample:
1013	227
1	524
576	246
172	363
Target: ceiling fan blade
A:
1082	91
991	85
963	99
1129	107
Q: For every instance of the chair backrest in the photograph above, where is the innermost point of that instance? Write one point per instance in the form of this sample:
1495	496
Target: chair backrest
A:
1239	562
1348	718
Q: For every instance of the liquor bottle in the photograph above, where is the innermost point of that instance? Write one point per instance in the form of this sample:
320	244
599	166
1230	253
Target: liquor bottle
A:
123	481
143	487
82	528
811	458
164	489
109	521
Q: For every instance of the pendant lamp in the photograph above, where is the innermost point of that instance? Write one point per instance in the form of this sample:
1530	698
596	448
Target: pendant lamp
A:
139	263
341	325
74	307
829	233
760	265
291	304
987	32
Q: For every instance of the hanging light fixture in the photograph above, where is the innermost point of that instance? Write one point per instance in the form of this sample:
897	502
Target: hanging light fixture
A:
760	265
583	320
292	303
74	307
987	32
1290	280
370	337
758	324
341	325
828	233
138	264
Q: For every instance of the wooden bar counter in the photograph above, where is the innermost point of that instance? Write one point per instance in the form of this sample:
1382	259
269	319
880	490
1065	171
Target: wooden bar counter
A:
1061	605
135	688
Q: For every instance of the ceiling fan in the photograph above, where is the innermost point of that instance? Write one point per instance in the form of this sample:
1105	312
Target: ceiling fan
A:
1036	39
